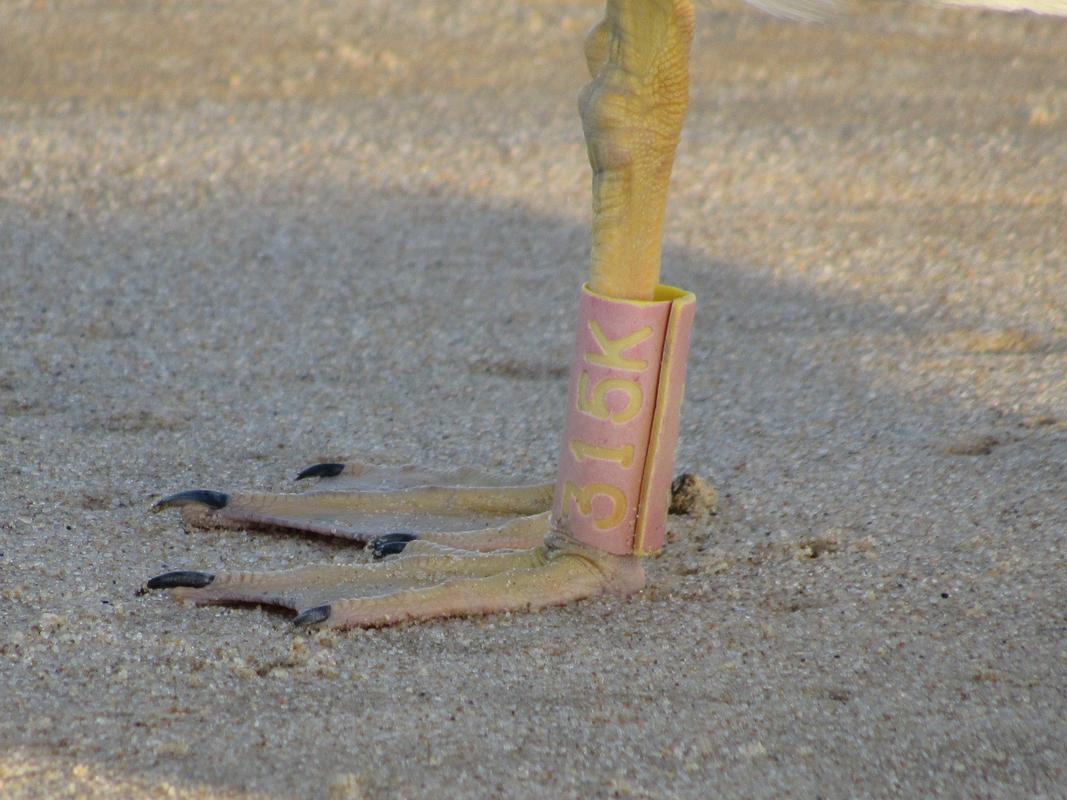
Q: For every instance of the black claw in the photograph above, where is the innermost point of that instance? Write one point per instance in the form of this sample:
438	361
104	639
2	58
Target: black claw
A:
390	544
214	500
187	578
327	470
312	616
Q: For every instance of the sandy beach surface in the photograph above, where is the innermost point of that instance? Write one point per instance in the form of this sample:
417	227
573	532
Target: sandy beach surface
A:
239	238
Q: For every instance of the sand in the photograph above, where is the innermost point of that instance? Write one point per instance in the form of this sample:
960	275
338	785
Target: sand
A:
239	238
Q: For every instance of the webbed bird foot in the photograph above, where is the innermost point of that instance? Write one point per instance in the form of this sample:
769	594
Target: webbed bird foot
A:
449	543
364	503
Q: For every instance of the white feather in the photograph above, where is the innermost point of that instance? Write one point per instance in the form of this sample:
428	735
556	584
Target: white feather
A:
813	10
1056	7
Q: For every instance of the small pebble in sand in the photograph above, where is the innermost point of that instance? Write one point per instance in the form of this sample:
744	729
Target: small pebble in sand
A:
692	495
1040	116
972	444
1006	342
347	786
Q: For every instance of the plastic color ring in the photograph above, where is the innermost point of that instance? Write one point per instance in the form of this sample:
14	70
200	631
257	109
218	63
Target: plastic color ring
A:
623	413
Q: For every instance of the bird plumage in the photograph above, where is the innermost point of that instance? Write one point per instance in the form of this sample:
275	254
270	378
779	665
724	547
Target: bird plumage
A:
814	10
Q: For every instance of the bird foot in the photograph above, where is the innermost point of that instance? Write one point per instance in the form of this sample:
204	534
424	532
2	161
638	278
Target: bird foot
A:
384	506
448	543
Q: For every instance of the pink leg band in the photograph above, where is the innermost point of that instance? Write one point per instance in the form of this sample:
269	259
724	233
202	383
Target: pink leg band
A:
624	409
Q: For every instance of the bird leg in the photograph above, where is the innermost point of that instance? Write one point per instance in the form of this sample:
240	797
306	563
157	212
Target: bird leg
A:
433	527
632	113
